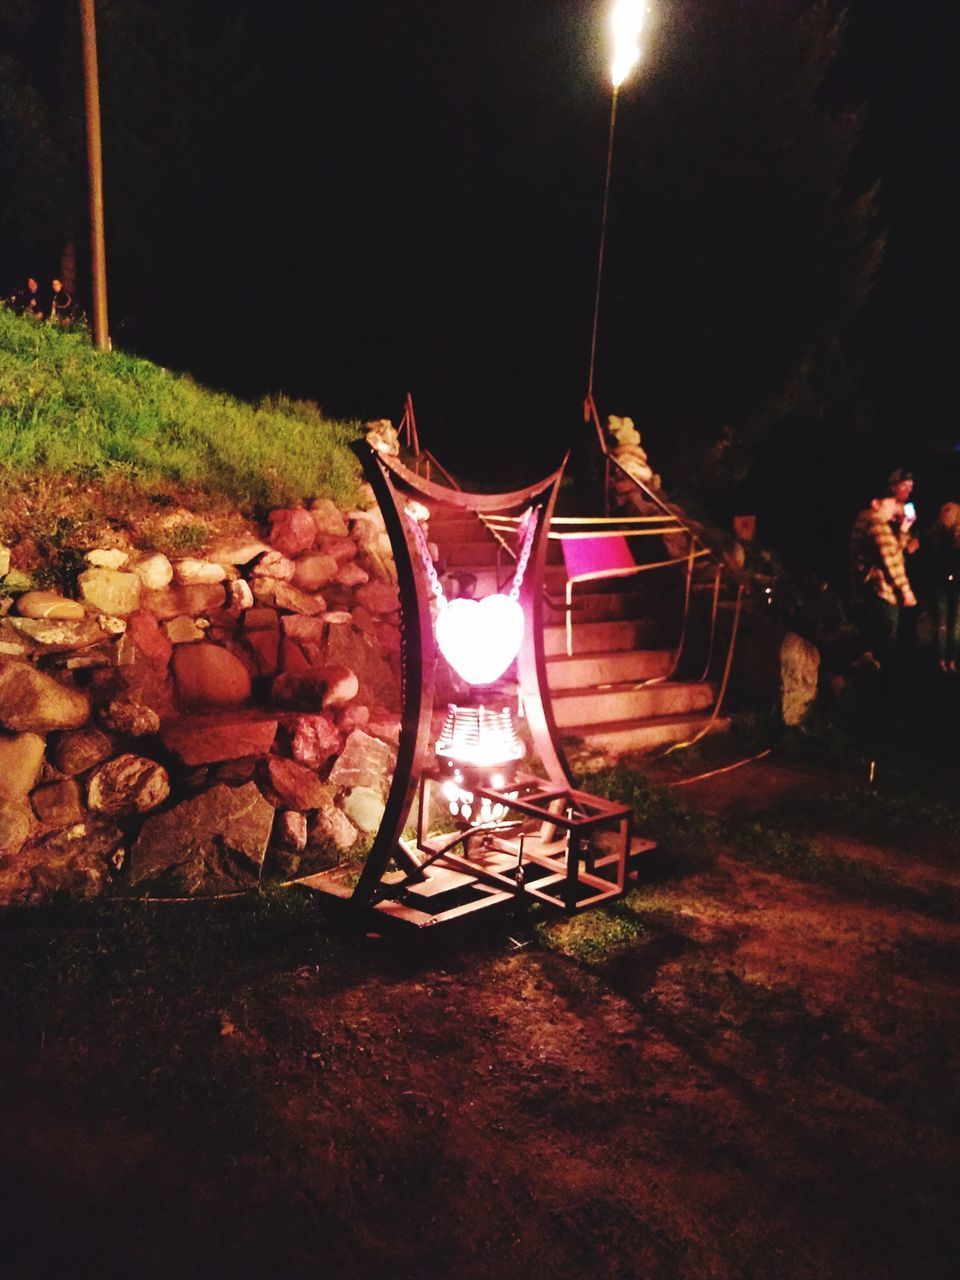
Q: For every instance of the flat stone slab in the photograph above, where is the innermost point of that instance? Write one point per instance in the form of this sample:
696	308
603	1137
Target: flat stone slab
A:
211	739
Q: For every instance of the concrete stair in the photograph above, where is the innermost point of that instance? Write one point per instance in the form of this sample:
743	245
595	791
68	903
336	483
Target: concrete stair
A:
620	641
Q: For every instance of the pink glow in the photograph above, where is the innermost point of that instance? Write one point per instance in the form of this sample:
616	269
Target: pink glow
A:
480	638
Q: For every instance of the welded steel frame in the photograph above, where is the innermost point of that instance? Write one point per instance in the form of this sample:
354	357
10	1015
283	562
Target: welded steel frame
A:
394	484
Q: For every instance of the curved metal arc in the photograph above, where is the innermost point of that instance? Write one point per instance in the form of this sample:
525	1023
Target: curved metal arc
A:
409	479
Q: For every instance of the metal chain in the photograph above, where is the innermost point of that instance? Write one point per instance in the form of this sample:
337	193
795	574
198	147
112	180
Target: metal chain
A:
430	569
523	559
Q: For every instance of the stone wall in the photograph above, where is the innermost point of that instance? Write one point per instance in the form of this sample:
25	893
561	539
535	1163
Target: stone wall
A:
200	725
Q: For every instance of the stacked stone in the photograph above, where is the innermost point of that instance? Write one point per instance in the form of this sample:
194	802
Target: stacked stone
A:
190	727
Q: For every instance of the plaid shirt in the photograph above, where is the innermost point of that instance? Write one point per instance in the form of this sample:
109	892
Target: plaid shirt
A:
876	559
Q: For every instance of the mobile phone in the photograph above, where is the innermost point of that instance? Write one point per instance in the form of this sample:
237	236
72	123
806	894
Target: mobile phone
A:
909	511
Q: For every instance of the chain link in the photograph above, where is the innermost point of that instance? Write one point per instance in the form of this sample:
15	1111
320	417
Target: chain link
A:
430	569
523	559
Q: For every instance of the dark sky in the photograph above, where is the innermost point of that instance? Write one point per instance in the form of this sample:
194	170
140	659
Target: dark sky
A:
409	199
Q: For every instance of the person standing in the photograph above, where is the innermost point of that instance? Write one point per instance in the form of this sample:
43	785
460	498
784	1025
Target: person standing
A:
942	548
878	577
61	302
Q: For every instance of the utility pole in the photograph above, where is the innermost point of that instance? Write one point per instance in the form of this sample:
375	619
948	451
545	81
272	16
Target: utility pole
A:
98	256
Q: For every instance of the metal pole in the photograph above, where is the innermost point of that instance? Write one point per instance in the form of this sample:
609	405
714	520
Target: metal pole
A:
98	257
603	241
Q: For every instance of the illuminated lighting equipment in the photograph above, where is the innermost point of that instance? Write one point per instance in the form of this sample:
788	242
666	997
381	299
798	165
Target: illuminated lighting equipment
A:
626	22
480	738
480	638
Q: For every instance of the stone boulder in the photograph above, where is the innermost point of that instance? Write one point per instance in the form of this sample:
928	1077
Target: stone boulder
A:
292	530
128	784
365	761
193	600
237	550
297	786
207	675
332	827
313	740
33	702
154	571
76	752
78	860
210	740
58	635
378	597
131	717
364	807
16	825
275	565
316	689
327	518
110	591
212	843
20	759
47	604
314	570
191	571
58	804
147	637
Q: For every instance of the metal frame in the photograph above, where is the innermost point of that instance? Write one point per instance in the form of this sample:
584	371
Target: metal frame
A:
393	484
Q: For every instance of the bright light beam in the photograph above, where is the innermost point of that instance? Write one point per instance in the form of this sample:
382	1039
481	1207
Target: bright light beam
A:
626	22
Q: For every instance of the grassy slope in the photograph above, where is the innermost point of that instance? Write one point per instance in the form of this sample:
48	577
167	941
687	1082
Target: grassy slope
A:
117	422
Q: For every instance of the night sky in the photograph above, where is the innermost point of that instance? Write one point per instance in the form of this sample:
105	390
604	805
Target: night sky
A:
407	196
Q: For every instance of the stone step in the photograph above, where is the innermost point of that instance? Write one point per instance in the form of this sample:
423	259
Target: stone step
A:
597	637
593	670
620	737
625	702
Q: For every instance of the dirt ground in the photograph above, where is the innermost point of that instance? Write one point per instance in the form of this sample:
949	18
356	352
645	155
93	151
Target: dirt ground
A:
749	1075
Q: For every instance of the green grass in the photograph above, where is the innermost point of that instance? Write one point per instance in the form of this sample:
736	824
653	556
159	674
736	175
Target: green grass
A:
70	415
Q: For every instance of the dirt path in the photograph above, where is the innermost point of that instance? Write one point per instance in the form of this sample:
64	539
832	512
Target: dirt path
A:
759	1082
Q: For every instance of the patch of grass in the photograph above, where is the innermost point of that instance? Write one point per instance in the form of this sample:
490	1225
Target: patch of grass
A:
67	411
659	813
594	936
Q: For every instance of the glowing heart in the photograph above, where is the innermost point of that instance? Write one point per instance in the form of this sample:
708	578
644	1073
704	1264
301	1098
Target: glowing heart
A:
480	638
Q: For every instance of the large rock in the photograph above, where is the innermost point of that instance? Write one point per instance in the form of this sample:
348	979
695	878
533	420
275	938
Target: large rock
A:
193	600
291	831
110	590
316	689
130	716
56	635
351	574
365	761
299	627
265	646
364	807
378	597
213	843
799	671
128	784
16	825
314	570
297	786
78	861
47	604
33	702
80	750
332	827
313	740
145	634
289	597
190	571
210	740
364	655
154	571
327	518
207	675
342	549
107	557
58	804
20	759
275	565
292	530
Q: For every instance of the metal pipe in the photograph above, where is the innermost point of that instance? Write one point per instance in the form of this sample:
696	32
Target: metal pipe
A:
98	257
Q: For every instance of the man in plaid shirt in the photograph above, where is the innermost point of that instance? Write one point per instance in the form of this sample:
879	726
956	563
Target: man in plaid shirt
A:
878	577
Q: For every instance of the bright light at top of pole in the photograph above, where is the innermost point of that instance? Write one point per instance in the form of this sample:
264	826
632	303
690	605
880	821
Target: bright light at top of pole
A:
627	23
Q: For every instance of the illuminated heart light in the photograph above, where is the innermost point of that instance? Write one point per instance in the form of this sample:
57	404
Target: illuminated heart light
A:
480	638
